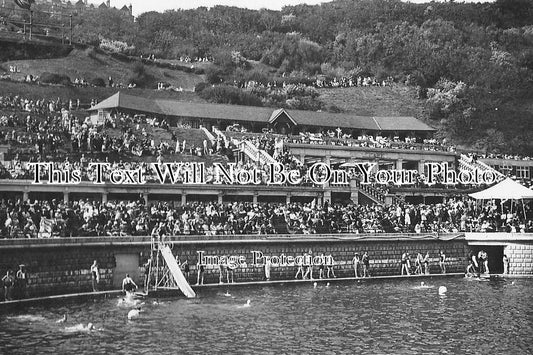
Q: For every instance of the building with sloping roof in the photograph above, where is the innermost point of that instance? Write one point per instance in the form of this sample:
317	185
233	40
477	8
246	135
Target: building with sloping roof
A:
255	119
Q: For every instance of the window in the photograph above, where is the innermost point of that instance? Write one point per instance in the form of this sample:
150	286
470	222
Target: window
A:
522	172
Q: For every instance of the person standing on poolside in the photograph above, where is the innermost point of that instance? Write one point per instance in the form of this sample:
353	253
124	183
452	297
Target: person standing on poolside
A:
268	264
406	265
200	274
471	269
366	264
309	269
8	281
418	264
230	273
356	261
301	267
22	281
221	268
485	263
321	267
426	263
147	267
95	275
329	264
186	269
505	264
442	262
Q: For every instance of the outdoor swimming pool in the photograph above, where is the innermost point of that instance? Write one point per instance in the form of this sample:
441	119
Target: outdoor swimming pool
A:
377	317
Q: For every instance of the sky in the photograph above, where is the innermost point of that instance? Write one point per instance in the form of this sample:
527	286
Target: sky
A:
140	6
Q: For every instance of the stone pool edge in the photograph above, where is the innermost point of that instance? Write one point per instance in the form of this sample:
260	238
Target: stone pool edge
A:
7	305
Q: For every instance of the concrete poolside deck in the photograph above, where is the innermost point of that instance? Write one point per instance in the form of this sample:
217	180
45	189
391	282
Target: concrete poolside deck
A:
174	292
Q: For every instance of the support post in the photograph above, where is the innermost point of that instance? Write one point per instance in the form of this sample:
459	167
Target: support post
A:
399	164
421	166
31	24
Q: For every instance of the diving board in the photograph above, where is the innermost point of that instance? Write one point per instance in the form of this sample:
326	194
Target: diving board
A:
176	271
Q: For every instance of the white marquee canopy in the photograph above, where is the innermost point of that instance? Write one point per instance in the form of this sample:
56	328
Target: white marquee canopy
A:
504	190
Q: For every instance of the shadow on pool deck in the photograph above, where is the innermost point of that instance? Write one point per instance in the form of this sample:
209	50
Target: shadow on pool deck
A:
172	292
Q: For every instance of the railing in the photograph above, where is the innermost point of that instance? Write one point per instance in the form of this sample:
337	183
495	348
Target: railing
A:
371	192
369	143
237	238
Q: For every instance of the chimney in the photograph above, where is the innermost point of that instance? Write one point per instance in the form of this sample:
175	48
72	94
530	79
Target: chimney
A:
109	3
131	10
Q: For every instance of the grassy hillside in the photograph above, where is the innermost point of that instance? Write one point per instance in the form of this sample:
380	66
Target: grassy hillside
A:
89	64
397	100
34	91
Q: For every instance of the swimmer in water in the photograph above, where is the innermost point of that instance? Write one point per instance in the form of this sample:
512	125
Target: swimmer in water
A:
62	320
134	313
80	328
128	286
247	304
227	294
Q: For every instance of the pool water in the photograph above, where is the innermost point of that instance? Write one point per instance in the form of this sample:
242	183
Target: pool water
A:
377	317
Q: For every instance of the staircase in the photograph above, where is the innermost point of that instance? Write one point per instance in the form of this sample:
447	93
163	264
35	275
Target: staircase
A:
376	195
221	135
209	135
258	156
470	164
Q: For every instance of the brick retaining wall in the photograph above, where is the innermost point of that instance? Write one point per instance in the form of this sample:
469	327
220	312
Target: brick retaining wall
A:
57	268
520	258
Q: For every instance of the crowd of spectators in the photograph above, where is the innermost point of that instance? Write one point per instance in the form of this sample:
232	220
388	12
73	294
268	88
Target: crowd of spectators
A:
321	81
46	128
24	219
500	156
339	138
352	81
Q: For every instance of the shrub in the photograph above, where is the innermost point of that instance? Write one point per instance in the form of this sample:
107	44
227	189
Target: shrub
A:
97	82
200	87
214	74
54	78
230	95
139	76
199	71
